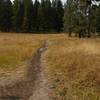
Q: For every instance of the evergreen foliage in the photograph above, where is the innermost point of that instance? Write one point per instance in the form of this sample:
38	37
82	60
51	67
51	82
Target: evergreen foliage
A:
81	17
18	12
6	14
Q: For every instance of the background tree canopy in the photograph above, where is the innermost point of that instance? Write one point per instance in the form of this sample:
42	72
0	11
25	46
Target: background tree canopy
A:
81	17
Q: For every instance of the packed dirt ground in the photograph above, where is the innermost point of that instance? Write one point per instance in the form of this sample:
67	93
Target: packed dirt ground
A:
49	67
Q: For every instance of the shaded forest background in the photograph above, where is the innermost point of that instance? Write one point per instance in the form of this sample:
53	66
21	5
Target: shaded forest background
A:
81	17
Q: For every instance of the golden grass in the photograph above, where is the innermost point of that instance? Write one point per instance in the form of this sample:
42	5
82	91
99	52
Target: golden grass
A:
73	68
71	65
17	49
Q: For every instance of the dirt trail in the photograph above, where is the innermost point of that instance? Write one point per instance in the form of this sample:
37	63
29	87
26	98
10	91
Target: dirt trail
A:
41	91
33	86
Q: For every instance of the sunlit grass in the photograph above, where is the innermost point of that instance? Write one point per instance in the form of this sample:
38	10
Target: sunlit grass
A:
17	49
71	65
73	68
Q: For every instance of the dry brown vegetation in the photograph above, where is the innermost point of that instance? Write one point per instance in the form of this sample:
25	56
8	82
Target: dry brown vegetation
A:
71	65
17	49
73	68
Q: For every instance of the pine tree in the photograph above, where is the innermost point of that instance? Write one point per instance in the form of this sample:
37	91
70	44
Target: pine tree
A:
93	19
70	19
42	16
51	15
1	14
54	15
28	16
48	15
98	20
59	15
36	16
6	16
18	11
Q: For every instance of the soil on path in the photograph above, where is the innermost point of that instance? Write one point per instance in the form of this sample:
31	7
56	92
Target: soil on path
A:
32	86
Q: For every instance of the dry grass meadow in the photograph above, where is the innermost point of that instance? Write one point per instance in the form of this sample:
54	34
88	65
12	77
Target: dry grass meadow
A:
73	68
17	49
71	65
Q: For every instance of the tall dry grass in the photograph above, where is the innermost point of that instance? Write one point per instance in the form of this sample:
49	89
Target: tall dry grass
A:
73	68
17	49
71	65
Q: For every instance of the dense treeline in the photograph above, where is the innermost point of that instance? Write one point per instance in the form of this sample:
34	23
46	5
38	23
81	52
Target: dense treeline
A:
81	17
29	16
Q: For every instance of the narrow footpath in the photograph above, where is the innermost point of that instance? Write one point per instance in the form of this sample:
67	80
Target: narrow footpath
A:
33	86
